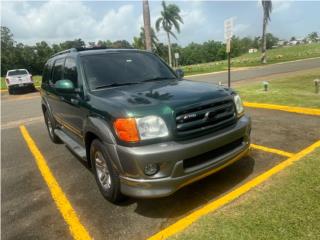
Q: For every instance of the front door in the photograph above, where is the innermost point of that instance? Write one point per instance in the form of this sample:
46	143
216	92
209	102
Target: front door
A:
70	113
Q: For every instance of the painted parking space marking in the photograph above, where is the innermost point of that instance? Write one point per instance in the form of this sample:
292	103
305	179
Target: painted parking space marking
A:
300	110
211	207
271	150
17	123
77	230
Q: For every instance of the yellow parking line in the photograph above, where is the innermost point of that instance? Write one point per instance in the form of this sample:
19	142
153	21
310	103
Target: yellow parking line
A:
77	230
189	219
272	150
301	110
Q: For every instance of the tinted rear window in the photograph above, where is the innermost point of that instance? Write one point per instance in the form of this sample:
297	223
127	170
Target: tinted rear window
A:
123	67
17	72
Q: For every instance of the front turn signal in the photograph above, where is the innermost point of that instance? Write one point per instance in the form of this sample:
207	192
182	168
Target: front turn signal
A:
126	129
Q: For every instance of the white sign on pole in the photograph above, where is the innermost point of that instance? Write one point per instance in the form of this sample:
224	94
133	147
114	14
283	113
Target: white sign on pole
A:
228	28
228	32
176	55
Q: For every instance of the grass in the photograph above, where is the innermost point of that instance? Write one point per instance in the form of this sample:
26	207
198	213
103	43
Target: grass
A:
282	54
36	79
298	91
287	207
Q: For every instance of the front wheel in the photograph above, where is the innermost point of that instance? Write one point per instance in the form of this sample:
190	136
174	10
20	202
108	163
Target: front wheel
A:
106	176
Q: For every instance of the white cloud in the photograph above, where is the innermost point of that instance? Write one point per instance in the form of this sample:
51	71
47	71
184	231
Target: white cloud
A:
56	21
281	6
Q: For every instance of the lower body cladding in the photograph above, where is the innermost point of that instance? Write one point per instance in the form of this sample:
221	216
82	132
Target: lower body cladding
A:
180	163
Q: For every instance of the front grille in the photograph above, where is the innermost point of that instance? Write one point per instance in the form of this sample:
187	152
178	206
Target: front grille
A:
213	116
208	156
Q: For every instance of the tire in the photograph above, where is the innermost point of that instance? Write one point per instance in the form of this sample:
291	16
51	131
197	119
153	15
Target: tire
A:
106	176
10	91
50	127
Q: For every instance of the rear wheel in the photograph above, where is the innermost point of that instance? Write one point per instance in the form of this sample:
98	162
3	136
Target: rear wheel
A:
51	126
106	176
10	91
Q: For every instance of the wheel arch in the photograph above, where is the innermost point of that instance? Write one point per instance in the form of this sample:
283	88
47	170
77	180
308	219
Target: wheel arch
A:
98	128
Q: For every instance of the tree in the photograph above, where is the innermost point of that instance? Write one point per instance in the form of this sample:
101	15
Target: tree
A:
121	44
267	9
7	50
139	42
77	43
147	25
170	17
313	36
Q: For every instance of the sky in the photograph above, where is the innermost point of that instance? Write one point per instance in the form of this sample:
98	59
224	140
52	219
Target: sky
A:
57	21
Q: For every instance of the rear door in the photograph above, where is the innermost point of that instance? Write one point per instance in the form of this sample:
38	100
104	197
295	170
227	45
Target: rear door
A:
52	95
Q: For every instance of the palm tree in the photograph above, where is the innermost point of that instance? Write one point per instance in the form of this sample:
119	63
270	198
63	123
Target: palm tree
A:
147	25
140	42
170	17
267	9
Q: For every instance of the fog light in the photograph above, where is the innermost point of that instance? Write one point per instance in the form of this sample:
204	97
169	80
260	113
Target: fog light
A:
151	169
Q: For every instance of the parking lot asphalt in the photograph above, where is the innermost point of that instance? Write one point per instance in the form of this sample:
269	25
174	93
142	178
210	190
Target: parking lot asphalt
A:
29	212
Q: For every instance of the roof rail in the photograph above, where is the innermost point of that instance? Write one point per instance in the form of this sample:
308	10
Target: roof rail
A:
90	48
65	51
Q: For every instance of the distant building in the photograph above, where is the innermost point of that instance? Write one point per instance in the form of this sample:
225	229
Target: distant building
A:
252	50
294	42
281	43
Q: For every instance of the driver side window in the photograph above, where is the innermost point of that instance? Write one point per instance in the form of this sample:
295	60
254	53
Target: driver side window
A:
57	71
70	71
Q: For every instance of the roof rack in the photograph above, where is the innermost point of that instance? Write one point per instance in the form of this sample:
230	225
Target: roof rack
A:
65	51
78	50
90	48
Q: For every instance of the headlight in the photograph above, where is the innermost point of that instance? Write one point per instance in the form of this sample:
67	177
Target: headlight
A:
151	127
238	103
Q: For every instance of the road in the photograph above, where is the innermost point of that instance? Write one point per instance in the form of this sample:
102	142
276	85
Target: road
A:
29	212
258	72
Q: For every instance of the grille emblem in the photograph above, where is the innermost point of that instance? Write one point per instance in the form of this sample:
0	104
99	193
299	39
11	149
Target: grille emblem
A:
209	116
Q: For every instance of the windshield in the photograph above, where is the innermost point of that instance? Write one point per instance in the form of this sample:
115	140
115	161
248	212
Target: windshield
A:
17	72
123	68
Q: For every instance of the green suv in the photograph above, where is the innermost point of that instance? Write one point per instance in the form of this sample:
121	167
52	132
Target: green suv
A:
142	129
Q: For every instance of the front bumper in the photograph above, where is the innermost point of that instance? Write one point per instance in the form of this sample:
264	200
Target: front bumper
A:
170	156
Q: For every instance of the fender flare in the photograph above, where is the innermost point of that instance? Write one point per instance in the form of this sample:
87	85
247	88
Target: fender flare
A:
100	127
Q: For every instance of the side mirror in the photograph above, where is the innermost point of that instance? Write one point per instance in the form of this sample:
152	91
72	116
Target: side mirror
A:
64	85
180	73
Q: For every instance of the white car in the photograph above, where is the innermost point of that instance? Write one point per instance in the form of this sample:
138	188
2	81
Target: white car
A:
19	78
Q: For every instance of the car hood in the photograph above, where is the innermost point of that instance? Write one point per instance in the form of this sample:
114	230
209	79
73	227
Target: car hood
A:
172	94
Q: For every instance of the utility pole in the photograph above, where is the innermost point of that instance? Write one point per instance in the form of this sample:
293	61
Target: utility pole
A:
147	25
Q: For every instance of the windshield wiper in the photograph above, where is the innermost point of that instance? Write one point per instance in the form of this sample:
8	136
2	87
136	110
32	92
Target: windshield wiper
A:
115	85
158	79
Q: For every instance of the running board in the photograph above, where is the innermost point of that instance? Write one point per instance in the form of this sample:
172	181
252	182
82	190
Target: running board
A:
72	144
